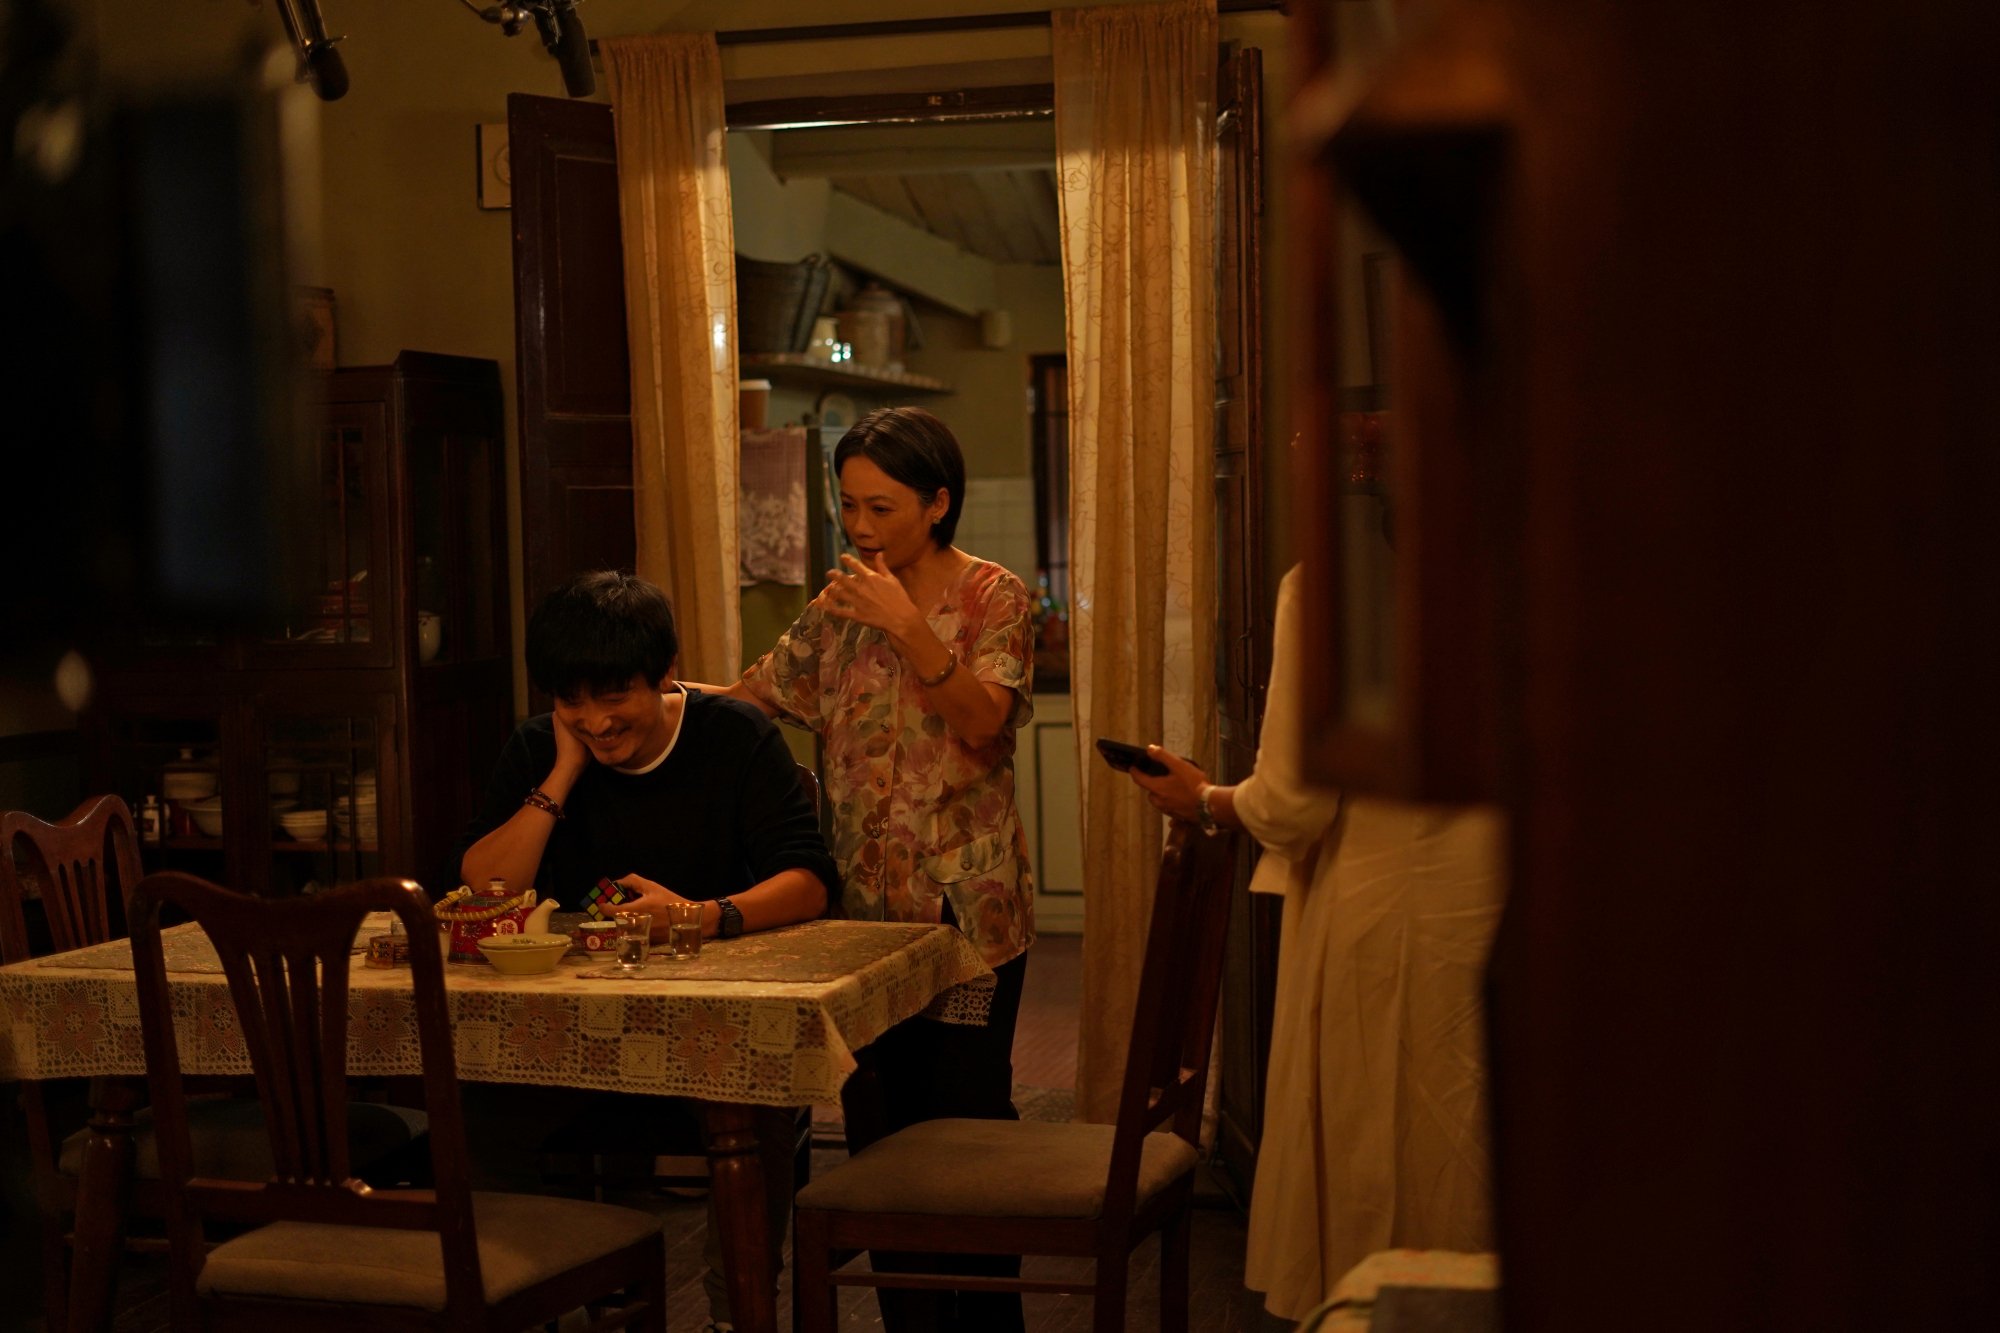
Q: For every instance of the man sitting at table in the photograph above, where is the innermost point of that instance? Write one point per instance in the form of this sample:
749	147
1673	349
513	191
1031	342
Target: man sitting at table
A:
674	793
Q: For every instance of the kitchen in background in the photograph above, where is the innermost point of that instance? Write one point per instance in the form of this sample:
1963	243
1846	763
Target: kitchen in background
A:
923	267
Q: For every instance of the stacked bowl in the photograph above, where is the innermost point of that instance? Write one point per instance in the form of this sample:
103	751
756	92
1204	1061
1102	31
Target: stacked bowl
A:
206	814
184	786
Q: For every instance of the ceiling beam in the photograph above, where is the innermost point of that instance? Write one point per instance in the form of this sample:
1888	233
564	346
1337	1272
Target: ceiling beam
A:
908	150
907	256
1028	18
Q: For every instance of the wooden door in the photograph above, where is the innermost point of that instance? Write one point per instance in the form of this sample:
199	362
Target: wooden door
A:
1716	355
571	354
1243	631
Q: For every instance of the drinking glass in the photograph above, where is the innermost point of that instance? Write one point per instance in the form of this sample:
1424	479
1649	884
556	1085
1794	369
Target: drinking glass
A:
635	939
683	929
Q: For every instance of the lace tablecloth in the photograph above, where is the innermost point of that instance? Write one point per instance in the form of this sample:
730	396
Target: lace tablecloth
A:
772	1018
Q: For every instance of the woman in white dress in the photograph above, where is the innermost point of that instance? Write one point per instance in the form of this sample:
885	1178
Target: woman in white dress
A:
1375	1110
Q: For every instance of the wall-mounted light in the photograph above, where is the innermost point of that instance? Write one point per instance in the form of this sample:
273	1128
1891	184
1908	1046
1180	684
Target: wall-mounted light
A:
319	63
562	34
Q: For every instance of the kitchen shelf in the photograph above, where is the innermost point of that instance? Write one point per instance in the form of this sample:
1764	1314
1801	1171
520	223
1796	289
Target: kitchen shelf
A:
798	368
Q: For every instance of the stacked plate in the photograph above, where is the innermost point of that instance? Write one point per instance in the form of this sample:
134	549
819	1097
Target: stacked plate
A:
305	825
354	813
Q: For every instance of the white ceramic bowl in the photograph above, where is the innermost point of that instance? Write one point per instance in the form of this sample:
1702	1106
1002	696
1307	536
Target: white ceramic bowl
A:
524	955
206	814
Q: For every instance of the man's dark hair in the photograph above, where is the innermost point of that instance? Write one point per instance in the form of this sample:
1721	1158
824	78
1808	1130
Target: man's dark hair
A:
599	630
916	449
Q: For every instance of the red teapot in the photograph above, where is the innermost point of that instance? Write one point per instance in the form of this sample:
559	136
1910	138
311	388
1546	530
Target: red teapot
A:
469	915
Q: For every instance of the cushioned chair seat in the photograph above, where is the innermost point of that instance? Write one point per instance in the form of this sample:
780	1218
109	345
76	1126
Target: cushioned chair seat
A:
523	1240
228	1139
995	1168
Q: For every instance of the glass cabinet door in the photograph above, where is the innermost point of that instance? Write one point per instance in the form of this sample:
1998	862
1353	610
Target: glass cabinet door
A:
331	783
459	539
337	614
168	765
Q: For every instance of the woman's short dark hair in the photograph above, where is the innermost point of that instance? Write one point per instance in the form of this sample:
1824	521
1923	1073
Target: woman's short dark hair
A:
598	631
916	449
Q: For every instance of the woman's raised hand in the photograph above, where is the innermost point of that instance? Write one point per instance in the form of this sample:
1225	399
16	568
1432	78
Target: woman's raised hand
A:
869	595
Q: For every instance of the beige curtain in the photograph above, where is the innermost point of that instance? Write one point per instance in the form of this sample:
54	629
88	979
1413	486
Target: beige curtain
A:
680	316
1135	138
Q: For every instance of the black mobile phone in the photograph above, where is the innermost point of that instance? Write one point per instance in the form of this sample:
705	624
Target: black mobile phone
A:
1122	756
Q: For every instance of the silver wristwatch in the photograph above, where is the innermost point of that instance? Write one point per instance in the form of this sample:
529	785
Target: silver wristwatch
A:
1204	815
729	924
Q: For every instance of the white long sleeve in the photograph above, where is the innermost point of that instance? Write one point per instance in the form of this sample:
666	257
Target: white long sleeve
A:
1287	816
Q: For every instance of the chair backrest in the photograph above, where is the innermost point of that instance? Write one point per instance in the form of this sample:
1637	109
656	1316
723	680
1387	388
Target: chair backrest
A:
79	866
808	786
1173	1023
287	963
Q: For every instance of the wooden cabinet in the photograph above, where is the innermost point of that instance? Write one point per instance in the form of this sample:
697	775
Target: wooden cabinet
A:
1243	600
380	690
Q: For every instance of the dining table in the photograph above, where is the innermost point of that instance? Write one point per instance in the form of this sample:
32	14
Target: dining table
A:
767	1019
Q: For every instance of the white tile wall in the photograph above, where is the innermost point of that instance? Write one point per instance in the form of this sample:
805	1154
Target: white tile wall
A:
998	523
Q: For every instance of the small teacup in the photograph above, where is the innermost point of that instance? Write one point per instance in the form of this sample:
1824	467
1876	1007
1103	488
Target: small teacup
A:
596	936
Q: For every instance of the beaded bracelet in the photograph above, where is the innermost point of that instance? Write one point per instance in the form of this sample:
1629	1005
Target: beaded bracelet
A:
932	682
542	801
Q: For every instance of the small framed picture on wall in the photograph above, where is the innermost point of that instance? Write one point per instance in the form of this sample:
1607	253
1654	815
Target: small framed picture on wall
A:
496	174
314	322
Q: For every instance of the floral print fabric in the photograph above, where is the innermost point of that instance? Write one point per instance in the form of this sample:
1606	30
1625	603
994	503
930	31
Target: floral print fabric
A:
920	818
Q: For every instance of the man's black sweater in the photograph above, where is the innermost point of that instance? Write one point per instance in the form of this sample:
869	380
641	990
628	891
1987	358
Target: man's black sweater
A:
721	812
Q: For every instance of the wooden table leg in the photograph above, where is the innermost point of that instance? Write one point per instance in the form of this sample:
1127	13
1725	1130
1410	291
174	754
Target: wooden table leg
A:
101	1195
736	1175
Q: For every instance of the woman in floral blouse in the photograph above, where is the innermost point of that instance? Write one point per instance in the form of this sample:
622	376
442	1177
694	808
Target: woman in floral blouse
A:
914	666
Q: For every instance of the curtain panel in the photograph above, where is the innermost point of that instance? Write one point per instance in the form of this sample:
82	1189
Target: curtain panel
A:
1135	142
680	316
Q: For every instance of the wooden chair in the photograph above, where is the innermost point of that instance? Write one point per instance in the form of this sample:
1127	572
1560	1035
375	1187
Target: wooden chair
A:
77	869
330	1252
1017	1187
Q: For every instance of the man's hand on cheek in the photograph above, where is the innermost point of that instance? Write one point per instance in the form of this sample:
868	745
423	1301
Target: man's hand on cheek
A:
572	757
